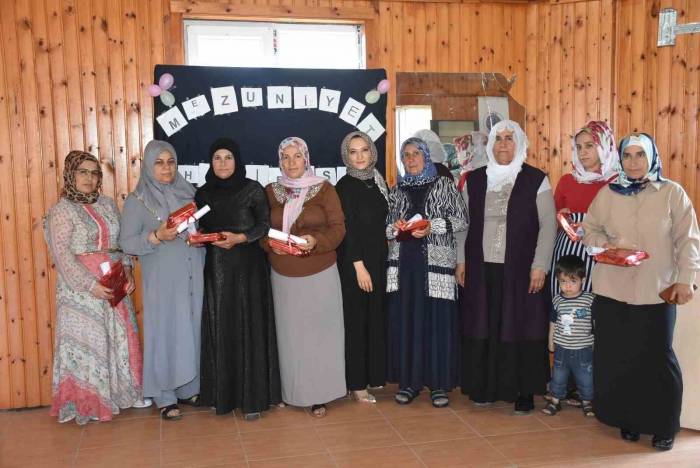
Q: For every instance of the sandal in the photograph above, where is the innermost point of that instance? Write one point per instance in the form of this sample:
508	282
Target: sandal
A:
363	396
318	410
170	412
573	398
587	408
252	416
552	408
439	398
405	396
191	401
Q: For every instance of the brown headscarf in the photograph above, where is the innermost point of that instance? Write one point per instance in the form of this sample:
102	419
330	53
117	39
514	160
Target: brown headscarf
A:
70	191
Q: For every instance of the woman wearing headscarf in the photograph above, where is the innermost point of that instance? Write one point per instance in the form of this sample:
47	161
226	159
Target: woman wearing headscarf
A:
637	381
97	356
306	290
596	163
171	276
423	319
362	264
438	155
239	348
508	252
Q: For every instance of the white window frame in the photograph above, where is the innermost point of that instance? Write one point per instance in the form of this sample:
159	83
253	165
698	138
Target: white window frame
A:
406	126
270	32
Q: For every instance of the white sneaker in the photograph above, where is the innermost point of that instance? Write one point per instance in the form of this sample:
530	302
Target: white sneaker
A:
142	403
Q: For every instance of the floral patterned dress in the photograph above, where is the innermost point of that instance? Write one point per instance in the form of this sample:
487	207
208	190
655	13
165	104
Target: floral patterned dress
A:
97	365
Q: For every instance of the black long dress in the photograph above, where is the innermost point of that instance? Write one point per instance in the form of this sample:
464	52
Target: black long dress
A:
365	211
239	364
423	331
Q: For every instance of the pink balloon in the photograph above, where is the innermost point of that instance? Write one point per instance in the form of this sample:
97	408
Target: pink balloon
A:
166	81
383	86
154	90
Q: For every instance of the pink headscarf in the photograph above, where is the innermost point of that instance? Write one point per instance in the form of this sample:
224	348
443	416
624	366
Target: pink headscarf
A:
297	188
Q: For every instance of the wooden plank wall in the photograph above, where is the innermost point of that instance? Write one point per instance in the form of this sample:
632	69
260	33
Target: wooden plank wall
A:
658	89
73	75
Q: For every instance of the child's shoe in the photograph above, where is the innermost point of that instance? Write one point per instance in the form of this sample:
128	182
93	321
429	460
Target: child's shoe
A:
552	407
587	408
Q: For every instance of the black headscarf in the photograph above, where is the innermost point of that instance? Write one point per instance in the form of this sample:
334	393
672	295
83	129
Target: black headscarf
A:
237	180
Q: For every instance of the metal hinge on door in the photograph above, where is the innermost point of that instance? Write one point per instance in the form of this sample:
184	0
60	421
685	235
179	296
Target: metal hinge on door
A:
669	29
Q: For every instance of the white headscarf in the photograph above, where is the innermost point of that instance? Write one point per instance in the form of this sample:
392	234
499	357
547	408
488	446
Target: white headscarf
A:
500	175
437	151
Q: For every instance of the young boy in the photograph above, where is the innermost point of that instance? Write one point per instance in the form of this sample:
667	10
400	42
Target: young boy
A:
571	336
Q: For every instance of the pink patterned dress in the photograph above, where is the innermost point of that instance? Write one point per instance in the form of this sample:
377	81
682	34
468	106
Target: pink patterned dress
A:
97	363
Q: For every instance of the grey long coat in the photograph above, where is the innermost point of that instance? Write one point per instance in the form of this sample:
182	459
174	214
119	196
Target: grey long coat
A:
172	282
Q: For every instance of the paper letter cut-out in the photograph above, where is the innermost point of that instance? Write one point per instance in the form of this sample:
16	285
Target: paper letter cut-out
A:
251	97
305	98
371	126
171	121
329	100
279	97
352	111
224	100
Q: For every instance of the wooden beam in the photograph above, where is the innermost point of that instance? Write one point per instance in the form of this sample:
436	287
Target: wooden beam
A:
217	9
452	84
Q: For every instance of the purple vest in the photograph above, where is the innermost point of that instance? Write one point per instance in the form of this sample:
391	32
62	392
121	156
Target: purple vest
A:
524	316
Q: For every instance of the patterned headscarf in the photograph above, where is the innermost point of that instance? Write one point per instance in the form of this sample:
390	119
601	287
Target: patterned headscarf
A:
429	172
370	172
607	153
298	188
163	199
499	175
624	184
70	191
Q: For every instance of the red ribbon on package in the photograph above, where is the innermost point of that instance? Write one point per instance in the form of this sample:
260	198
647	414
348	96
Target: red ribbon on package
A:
404	232
204	238
621	257
115	279
181	215
289	247
288	243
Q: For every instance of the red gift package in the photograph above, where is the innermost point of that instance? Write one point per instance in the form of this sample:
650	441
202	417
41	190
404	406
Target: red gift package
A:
116	280
181	215
573	230
203	238
621	257
414	225
290	247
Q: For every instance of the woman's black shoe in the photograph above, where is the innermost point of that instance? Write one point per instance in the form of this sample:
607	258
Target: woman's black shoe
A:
629	435
662	444
524	404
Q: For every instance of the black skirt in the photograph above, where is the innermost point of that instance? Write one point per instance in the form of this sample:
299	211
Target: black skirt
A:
637	380
423	334
493	369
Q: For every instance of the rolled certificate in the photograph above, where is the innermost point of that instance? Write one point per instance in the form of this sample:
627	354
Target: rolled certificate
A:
284	237
198	214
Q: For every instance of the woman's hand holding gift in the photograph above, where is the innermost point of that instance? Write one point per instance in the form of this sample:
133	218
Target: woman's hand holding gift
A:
231	240
101	292
310	243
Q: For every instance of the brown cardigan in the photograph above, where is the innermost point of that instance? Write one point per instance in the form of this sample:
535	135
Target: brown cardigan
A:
321	217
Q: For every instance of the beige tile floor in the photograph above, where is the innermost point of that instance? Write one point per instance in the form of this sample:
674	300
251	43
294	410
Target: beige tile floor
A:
351	435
